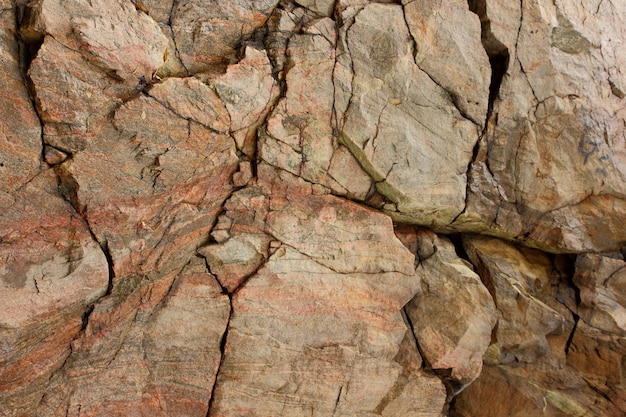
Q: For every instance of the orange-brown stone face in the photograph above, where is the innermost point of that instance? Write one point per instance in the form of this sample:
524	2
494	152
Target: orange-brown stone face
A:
312	208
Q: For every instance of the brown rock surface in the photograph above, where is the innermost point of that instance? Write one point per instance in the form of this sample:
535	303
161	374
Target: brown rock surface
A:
208	33
51	269
321	317
531	322
20	130
451	340
312	207
155	352
552	158
400	124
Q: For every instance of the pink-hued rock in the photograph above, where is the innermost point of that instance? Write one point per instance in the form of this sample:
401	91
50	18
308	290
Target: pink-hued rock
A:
20	129
112	34
318	320
237	208
151	187
248	90
51	269
245	246
155	349
208	33
74	116
189	98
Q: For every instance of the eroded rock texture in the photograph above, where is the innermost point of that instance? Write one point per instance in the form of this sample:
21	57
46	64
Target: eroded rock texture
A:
312	208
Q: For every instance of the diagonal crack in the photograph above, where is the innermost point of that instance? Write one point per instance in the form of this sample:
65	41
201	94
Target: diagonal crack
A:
223	342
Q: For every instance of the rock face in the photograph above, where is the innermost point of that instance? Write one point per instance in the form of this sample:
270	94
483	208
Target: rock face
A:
312	208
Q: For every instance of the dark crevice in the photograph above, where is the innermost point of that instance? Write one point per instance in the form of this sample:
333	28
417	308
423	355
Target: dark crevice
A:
337	400
568	344
499	63
173	10
425	363
29	39
497	52
68	189
27	48
107	254
223	342
457	241
85	318
499	58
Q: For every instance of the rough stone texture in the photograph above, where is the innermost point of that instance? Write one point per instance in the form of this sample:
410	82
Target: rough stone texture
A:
51	269
551	170
400	124
248	90
20	130
312	207
597	350
321	318
208	33
531	322
601	282
451	340
543	360
154	353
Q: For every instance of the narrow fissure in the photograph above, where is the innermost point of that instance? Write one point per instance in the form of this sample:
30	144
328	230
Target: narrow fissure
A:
497	52
425	363
570	338
27	48
173	10
223	342
499	58
337	400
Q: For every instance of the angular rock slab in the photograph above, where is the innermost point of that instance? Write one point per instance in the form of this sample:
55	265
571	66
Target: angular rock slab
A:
597	349
111	34
299	135
448	48
152	183
208	33
416	392
453	315
246	245
533	326
401	125
248	90
320	321
602	284
106	51
552	168
155	352
51	269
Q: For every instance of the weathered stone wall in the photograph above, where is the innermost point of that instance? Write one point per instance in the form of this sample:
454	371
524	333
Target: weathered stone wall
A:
312	208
